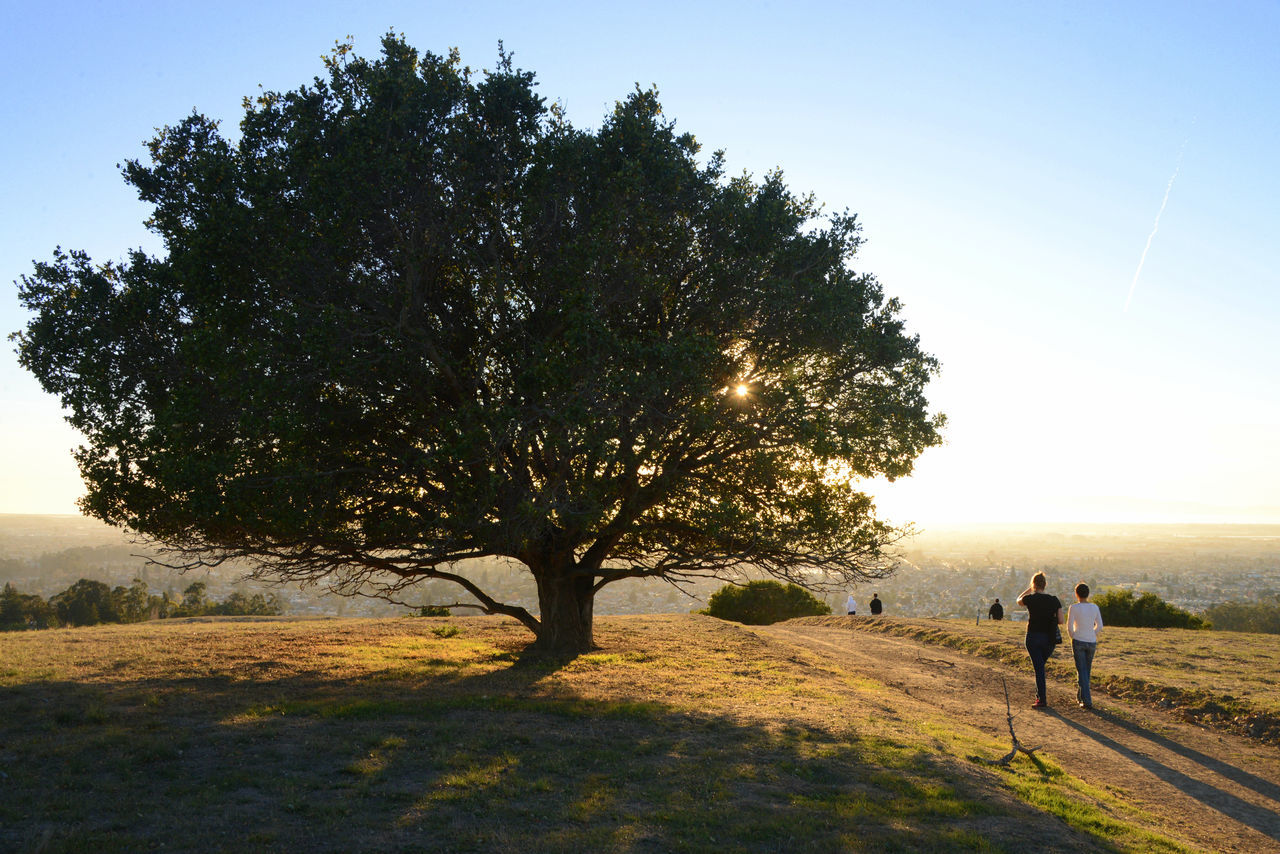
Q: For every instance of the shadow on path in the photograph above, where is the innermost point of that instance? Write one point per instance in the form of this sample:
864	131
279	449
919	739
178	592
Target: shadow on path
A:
1217	804
1261	819
435	755
1266	788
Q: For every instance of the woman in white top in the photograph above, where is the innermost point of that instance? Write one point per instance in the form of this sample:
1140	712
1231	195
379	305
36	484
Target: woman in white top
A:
1084	621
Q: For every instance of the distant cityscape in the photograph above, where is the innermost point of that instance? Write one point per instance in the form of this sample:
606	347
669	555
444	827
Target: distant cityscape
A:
952	573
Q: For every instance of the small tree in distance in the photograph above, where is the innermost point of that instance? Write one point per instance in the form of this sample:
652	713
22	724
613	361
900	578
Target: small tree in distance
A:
24	611
412	316
764	601
85	603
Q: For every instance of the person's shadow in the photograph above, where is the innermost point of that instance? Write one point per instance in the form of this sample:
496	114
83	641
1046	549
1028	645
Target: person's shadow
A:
1260	818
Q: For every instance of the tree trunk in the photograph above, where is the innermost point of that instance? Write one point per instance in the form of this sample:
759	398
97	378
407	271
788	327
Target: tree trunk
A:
567	604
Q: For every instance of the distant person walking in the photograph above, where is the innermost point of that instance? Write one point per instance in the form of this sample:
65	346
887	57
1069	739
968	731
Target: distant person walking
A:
850	605
876	605
1044	615
1084	621
996	611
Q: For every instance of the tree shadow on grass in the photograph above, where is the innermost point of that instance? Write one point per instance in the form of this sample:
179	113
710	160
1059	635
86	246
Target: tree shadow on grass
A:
489	762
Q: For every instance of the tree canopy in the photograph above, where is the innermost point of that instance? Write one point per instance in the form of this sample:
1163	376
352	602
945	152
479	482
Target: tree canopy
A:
411	315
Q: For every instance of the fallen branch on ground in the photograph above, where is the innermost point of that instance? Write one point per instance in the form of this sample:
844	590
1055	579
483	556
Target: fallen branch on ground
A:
1017	745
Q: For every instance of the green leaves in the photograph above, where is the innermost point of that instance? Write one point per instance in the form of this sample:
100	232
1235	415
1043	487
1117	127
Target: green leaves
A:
412	316
761	603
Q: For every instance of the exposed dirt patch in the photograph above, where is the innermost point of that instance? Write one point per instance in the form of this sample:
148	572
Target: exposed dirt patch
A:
679	733
1195	680
1218	789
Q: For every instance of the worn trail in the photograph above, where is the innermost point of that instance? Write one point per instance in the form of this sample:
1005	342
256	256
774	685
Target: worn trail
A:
1220	791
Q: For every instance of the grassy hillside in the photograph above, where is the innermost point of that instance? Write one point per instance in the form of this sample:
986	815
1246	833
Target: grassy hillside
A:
681	733
1225	680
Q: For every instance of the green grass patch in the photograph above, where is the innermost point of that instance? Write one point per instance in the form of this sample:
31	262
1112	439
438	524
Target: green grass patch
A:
1088	809
324	735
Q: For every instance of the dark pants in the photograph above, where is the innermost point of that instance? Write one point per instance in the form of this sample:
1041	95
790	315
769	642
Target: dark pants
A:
1082	652
1040	647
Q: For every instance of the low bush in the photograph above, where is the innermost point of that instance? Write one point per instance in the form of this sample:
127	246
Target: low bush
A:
759	603
1148	611
1263	616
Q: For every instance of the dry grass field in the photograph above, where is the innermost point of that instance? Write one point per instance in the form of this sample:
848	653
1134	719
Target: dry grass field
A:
1226	680
681	733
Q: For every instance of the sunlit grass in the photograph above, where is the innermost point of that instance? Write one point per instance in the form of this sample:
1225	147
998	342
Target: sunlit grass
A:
1232	684
680	733
1047	787
377	759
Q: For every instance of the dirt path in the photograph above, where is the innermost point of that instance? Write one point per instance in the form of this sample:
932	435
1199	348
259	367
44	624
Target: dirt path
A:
1218	791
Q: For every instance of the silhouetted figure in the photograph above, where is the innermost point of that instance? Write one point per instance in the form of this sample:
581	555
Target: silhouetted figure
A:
996	611
1044	615
876	605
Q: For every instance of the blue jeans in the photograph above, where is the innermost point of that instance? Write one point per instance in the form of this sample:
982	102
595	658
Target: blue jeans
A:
1083	652
1040	646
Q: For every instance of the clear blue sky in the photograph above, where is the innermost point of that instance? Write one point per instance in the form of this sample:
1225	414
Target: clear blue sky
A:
1009	162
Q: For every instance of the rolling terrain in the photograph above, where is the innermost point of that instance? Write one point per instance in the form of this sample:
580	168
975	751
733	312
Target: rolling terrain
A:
681	733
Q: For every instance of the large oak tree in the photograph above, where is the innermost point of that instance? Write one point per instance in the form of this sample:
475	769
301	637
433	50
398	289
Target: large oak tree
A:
411	316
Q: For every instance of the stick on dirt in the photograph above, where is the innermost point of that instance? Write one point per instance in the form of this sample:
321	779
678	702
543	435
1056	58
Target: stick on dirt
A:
1017	745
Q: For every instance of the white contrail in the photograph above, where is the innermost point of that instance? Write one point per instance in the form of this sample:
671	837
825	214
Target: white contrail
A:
1138	272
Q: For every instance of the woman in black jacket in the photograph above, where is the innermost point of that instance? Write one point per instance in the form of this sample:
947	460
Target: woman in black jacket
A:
1044	615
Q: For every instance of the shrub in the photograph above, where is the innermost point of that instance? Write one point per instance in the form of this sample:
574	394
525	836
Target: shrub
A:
238	605
1261	616
1122	608
759	603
